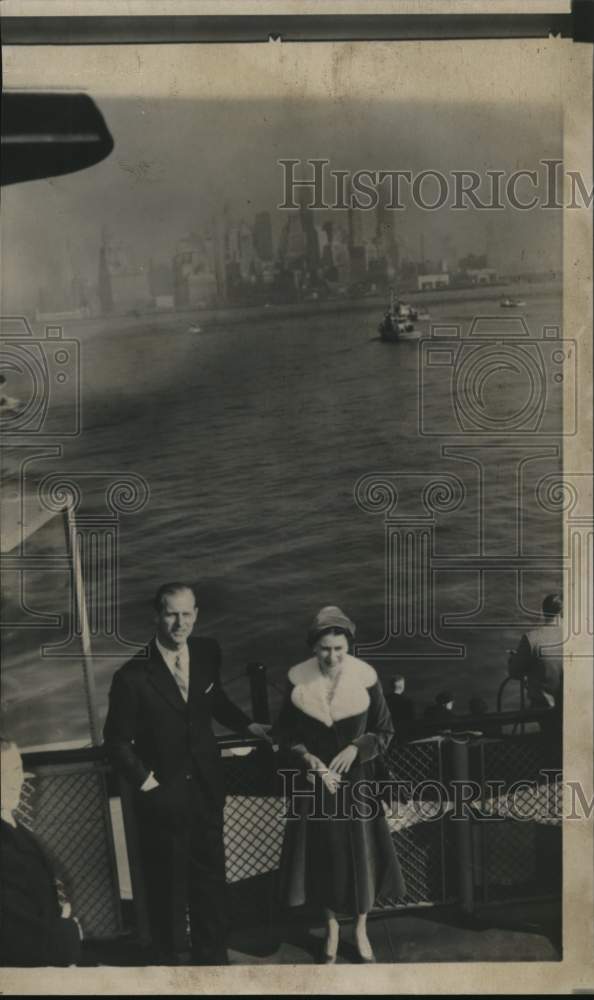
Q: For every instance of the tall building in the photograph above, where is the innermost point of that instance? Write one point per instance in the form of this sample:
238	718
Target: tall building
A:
232	242
473	262
104	289
220	259
161	284
194	277
326	240
293	241
312	245
262	236
385	233
124	284
246	251
160	278
355	227
340	253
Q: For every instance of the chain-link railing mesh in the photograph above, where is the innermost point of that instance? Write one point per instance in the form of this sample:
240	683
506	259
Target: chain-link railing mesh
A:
26	809
418	823
421	851
415	762
519	848
67	808
254	815
518	758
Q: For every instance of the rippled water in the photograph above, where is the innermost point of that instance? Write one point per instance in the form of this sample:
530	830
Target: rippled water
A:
252	438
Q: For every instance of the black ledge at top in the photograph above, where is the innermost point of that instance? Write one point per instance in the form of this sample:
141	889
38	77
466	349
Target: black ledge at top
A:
123	29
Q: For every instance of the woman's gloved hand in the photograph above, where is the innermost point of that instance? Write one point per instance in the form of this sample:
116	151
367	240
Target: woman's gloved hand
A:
344	760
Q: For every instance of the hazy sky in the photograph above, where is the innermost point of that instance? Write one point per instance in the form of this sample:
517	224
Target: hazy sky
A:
186	147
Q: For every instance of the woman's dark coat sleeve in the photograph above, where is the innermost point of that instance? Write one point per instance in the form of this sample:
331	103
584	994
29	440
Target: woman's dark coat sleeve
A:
380	728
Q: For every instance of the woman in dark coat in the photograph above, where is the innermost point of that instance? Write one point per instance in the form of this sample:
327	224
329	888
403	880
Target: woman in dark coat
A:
337	850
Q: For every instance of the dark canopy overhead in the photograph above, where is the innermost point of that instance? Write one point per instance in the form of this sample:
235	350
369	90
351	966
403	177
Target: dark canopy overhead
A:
45	134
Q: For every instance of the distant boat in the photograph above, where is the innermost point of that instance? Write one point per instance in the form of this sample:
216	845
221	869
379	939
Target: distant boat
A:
511	303
406	311
194	328
390	330
398	322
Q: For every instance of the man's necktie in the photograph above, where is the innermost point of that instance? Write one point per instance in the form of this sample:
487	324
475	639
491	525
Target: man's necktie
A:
179	677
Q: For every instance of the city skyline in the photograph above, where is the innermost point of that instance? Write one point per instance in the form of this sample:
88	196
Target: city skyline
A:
178	164
233	262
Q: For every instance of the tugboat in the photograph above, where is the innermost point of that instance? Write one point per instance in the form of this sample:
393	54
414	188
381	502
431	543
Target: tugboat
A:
408	312
399	320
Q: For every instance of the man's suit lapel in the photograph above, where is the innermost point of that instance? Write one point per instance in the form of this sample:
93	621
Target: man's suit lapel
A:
162	680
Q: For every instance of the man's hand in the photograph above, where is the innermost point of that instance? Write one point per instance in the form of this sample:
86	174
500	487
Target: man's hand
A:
260	730
343	760
66	914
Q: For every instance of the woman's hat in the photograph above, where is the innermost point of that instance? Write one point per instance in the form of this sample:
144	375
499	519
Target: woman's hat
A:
328	618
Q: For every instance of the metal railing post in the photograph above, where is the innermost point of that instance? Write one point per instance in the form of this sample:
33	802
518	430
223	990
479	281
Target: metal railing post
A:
259	692
464	851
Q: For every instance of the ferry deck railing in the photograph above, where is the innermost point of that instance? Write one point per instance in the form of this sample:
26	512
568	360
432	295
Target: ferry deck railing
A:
83	814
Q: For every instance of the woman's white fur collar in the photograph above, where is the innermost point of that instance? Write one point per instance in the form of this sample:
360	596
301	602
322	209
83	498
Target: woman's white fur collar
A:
350	695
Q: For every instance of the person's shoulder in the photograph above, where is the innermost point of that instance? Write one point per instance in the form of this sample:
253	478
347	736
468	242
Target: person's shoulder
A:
8	832
203	644
362	671
304	672
18	837
544	635
135	666
205	653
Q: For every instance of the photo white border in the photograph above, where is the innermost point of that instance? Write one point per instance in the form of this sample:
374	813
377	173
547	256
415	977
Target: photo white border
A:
576	970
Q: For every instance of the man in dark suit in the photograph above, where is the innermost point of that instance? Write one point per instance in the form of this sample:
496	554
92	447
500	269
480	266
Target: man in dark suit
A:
159	735
36	928
539	661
